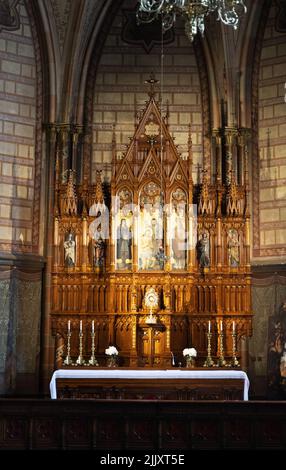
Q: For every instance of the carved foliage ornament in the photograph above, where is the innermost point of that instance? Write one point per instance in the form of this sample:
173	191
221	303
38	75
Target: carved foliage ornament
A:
152	129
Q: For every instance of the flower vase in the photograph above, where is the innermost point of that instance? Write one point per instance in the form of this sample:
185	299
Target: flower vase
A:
111	361
190	362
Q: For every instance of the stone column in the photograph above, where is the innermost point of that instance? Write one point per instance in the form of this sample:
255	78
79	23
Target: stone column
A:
20	317
218	155
244	351
229	135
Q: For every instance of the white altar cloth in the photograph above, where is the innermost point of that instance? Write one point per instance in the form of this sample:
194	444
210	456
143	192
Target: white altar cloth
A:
148	374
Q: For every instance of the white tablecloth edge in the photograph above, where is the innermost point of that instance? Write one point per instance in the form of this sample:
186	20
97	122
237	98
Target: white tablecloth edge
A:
148	374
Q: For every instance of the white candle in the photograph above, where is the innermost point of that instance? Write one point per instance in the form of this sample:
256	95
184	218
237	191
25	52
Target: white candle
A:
233	327
80	326
209	326
221	325
92	326
69	326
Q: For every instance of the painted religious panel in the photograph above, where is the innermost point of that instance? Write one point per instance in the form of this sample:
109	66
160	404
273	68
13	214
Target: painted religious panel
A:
178	229
124	230
151	228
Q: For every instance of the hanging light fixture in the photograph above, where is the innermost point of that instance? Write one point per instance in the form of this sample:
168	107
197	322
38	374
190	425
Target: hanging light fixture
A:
193	11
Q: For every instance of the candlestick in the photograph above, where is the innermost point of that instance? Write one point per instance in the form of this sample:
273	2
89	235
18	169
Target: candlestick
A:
234	361
221	361
209	362
80	360
92	361
68	360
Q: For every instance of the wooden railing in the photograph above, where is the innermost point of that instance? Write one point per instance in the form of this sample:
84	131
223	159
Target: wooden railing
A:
141	425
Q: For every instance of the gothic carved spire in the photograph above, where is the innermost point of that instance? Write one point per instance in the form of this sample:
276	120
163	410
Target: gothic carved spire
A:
204	204
97	198
113	162
70	198
233	206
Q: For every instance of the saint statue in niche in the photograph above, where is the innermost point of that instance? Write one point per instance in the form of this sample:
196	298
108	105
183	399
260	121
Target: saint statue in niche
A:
124	225
178	229
233	248
203	248
98	248
69	247
124	245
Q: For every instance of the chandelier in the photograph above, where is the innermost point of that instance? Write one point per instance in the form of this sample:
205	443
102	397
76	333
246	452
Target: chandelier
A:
194	13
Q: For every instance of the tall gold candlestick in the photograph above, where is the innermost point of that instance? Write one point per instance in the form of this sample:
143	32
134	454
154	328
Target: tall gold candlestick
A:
221	361
209	362
80	360
234	361
92	361
68	360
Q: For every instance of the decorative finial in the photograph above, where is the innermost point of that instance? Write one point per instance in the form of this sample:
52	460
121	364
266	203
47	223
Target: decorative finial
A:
190	142
204	204
152	82
99	197
70	198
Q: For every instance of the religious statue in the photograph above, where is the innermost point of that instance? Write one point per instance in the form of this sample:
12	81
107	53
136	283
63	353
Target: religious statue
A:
178	242
151	251
233	248
146	259
203	248
124	245
177	228
167	297
69	247
98	249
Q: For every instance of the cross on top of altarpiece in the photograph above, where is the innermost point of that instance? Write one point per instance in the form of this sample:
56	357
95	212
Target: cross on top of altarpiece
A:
152	83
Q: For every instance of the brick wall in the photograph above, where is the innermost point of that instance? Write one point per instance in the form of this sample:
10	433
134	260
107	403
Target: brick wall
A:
272	141
17	135
120	86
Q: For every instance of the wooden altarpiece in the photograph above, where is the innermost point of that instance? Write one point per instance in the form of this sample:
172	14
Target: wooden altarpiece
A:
189	243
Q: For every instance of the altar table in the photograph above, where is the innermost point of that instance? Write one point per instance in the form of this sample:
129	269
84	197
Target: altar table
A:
172	384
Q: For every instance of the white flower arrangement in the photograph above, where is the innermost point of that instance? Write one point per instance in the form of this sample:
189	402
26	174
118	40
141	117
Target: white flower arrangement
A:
190	352
111	351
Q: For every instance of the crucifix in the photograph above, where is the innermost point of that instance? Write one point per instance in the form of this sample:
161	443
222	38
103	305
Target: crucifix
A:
152	83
